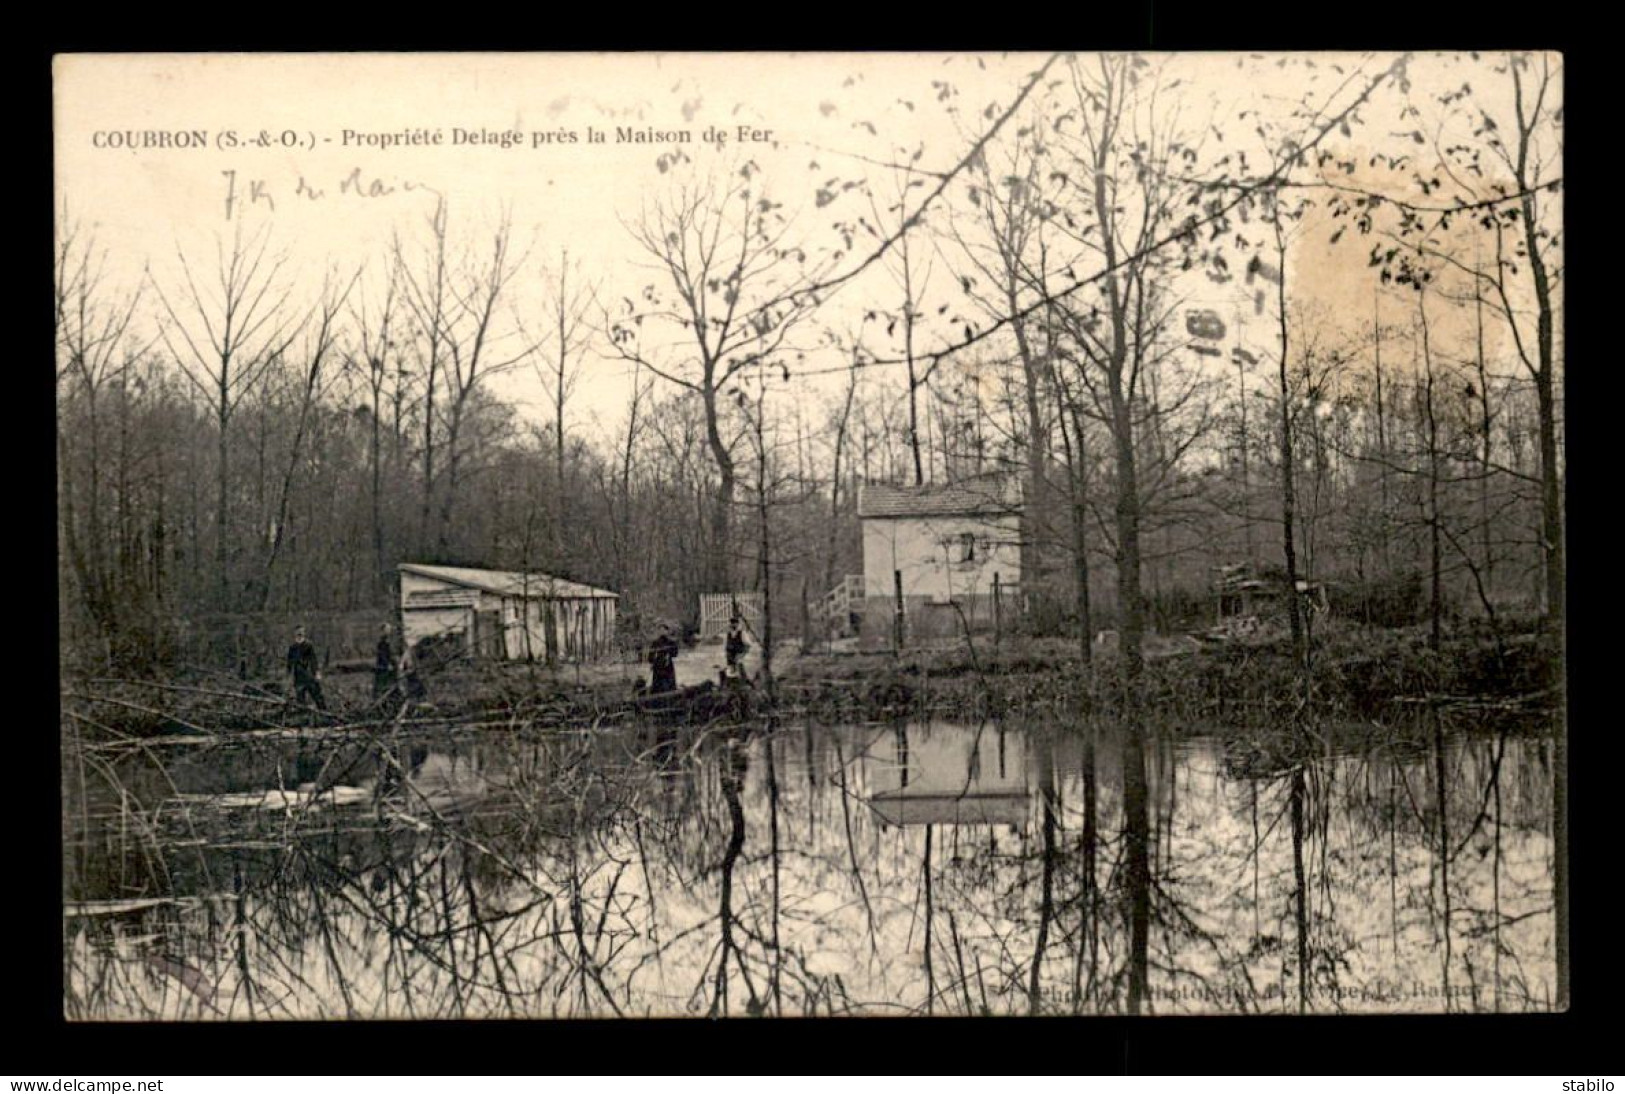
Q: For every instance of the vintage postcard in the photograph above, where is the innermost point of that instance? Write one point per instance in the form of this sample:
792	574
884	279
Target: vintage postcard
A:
721	535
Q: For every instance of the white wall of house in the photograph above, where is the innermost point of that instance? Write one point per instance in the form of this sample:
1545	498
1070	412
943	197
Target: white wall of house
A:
932	554
420	623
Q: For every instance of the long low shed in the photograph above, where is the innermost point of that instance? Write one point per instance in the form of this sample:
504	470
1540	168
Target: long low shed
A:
506	614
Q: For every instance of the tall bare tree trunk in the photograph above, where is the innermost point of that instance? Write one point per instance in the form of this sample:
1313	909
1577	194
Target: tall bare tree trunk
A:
1382	434
222	509
1431	424
1289	499
835	482
720	556
1486	441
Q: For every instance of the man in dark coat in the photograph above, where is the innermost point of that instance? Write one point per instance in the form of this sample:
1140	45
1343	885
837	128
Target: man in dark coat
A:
662	661
306	671
411	680
383	665
736	646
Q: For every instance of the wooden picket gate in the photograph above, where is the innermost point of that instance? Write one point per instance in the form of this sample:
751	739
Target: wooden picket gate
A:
717	608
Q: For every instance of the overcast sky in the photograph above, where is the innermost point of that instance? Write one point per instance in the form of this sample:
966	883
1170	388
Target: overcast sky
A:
352	121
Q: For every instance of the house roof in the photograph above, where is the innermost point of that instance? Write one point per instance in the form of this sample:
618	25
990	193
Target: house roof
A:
987	496
1228	583
510	582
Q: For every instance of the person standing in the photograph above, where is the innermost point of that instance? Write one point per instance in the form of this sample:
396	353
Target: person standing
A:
663	662
736	646
306	670
411	681
383	665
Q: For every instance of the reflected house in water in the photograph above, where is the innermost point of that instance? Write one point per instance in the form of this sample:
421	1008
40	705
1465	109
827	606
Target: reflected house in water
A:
948	774
1392	877
446	780
507	615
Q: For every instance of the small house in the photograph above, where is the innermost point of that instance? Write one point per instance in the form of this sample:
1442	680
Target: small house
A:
953	551
505	614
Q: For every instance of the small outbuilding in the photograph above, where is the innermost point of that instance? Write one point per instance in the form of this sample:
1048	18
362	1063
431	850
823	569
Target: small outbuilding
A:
506	614
1240	597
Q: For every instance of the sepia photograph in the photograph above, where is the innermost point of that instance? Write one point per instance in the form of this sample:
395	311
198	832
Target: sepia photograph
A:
711	535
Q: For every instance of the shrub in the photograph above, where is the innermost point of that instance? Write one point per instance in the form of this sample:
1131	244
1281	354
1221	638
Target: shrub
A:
1180	609
1392	600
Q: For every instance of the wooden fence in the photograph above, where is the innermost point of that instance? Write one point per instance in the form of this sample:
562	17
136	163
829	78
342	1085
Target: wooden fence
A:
838	612
716	609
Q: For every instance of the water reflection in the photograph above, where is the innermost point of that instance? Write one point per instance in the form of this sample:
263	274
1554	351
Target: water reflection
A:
947	774
1065	866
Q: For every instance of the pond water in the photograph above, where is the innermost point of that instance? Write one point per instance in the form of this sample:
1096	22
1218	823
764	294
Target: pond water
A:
921	867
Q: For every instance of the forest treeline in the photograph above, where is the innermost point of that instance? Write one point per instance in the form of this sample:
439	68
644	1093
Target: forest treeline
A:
1323	339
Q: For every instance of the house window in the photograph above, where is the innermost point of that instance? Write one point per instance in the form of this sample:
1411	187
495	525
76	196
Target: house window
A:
966	547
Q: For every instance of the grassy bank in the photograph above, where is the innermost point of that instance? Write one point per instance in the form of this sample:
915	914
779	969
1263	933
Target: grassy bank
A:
1355	673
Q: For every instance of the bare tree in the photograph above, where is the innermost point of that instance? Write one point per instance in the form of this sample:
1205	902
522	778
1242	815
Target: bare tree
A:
732	282
320	344
93	350
224	336
1289	496
1125	204
456	310
377	349
1013	216
569	296
911	276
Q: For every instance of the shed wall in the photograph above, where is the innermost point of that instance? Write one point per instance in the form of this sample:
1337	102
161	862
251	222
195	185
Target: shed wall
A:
570	628
420	623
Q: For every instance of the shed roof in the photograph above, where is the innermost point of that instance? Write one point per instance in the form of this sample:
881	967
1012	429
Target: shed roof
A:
1273	586
987	496
510	582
